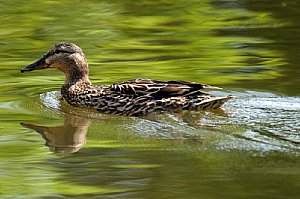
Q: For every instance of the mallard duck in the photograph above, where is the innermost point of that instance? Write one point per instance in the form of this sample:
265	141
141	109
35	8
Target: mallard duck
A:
134	97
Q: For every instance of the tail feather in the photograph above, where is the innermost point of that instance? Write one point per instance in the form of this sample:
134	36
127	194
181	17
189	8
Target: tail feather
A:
213	103
209	103
205	86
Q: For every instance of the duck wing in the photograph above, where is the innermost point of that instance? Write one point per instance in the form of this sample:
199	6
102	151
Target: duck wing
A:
159	89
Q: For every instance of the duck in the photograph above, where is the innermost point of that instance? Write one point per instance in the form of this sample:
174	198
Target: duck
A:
135	97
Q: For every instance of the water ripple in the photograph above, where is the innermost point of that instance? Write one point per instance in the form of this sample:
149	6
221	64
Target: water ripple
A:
271	121
256	121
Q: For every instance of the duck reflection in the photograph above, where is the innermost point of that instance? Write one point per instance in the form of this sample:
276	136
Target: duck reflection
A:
68	138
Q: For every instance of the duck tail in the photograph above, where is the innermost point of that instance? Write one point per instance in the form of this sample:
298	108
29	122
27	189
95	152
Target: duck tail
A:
206	86
213	103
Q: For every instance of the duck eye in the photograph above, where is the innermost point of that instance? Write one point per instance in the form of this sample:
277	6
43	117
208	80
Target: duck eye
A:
60	51
55	52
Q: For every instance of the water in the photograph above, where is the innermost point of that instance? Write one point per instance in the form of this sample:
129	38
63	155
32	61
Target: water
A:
249	150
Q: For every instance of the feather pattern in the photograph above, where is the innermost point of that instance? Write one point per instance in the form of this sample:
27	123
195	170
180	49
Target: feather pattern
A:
142	96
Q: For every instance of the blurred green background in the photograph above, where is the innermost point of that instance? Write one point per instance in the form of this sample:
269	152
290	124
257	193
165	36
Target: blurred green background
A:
251	150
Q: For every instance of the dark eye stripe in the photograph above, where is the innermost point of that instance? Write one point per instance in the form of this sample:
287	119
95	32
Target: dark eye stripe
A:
55	52
60	51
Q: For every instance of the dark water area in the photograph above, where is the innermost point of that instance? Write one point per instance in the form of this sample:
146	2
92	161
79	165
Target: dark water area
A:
250	149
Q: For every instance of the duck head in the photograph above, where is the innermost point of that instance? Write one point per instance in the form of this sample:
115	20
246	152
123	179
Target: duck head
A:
66	57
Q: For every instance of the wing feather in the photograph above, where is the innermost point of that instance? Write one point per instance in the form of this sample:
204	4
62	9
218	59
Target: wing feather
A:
159	89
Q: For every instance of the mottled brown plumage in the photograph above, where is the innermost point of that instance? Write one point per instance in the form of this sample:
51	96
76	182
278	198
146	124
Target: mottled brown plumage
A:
134	97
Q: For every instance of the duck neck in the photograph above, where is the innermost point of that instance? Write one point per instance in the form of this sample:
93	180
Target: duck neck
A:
75	83
78	74
77	79
74	87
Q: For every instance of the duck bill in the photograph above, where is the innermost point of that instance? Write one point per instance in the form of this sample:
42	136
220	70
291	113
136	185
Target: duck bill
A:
40	64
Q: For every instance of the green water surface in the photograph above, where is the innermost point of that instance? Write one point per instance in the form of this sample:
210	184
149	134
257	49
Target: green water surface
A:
249	150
